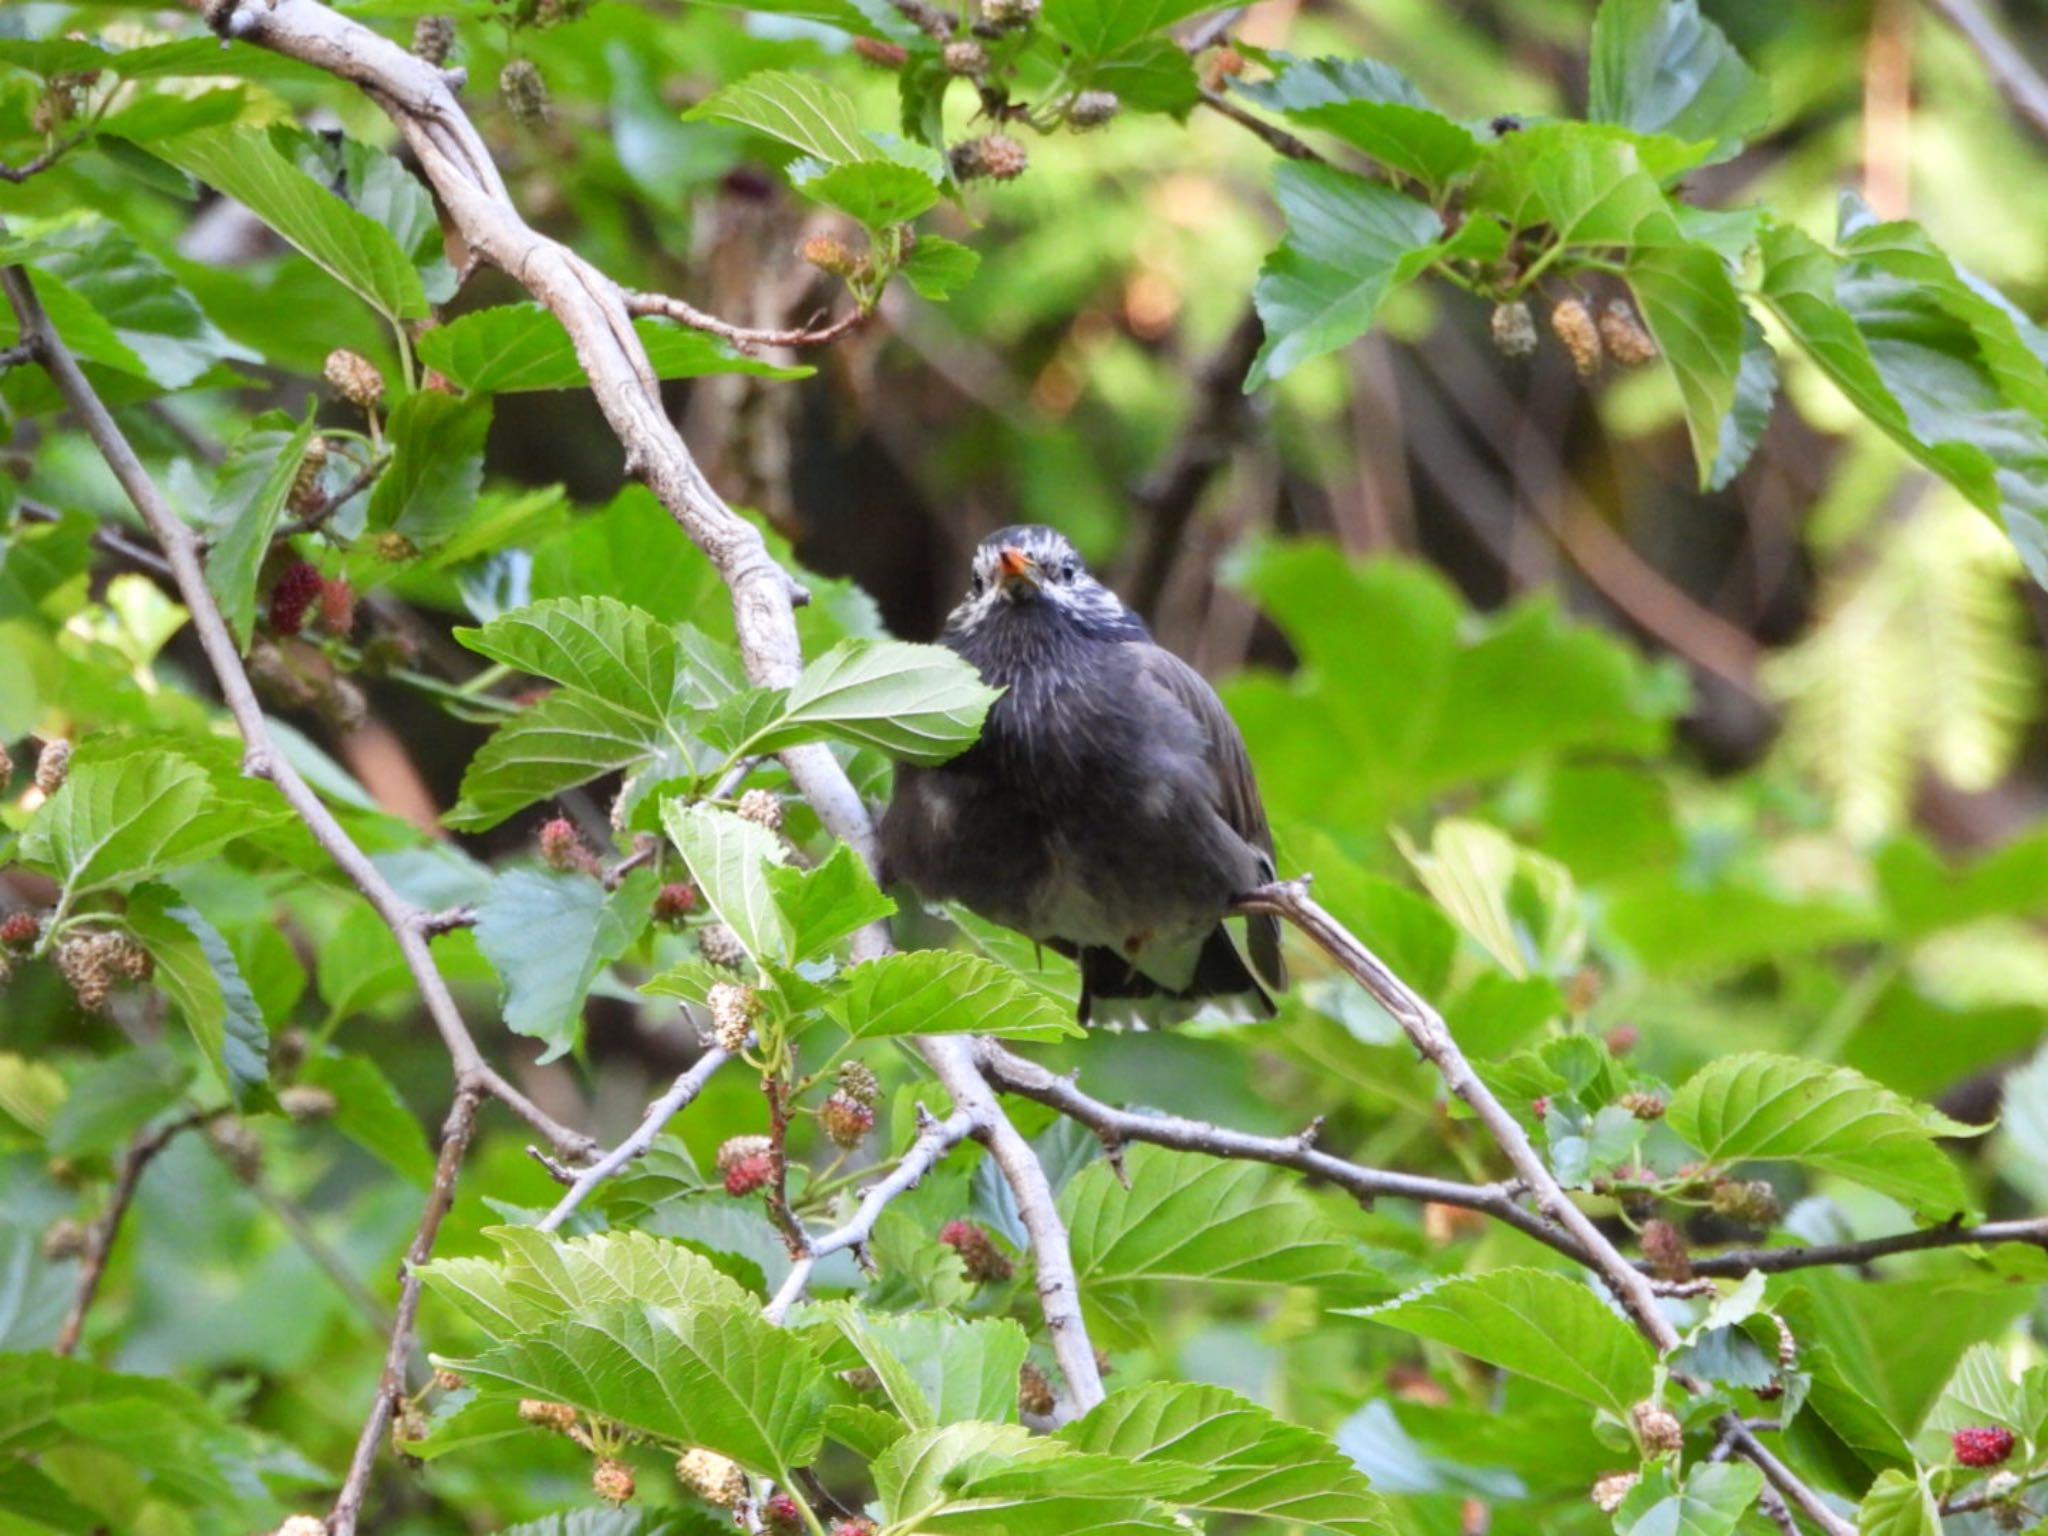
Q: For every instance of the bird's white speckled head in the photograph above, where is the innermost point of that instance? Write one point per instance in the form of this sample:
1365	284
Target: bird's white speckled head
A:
1027	564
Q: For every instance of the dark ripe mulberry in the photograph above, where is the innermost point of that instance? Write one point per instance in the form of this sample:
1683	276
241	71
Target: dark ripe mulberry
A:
296	591
1984	1445
979	1255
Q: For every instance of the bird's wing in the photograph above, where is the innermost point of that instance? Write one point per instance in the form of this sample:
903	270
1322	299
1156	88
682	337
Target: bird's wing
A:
1236	791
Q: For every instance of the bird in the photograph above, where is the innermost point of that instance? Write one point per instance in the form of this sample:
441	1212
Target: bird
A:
1108	809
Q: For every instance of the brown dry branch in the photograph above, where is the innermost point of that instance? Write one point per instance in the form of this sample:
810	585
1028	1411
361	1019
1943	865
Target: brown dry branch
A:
746	338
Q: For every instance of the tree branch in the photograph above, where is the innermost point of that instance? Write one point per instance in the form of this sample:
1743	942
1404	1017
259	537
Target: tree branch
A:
455	1135
2017	80
595	313
659	1113
1736	1262
747	338
99	1238
934	1140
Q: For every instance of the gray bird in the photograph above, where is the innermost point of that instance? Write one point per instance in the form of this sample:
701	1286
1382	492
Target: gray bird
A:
1108	810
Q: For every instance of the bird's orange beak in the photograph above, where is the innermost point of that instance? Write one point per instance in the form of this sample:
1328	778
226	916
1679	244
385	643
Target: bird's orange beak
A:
1018	571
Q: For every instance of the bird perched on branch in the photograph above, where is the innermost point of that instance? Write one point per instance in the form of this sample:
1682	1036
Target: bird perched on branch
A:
1108	810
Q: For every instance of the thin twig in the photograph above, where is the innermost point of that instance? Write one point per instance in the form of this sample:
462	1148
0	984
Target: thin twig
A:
1275	137
2017	80
17	174
1734	1263
659	1113
112	540
329	505
780	1216
747	338
455	1134
99	1239
934	1140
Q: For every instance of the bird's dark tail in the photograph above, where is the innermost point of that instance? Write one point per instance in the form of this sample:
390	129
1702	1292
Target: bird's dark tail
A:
1220	971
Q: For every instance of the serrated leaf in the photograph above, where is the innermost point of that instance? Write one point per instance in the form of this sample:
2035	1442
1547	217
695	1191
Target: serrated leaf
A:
616	1522
595	645
436	469
1194	1218
542	1279
1709	1503
1783	1108
938	268
1898	1504
548	934
1257	1465
716	1375
969	1479
1349	242
918	703
935	1367
1374	108
817	118
1098	29
1978	1392
564	740
517	348
197	971
944	992
146	308
827	903
351	247
249	495
1658	66
728	859
873	193
124	819
1535	1323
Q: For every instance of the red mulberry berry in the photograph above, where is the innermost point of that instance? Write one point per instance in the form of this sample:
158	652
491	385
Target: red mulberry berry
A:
561	848
338	607
983	1261
18	930
846	1120
781	1517
857	1526
1984	1445
297	590
749	1173
674	901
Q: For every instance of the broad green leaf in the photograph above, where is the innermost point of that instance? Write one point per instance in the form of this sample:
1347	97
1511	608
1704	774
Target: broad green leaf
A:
717	1375
198	972
543	1279
817	118
1535	1323
436	469
249	494
918	703
944	992
1256	1465
1979	1392
827	903
595	645
1689	303
938	268
1194	1218
121	820
972	1479
935	1367
1710	1502
548	934
1898	1504
564	740
1756	391
1098	29
31	1092
1786	1109
1588	183
111	1099
1523	908
353	248
1375	109
153	316
1349	241
874	193
1658	66
516	348
728	859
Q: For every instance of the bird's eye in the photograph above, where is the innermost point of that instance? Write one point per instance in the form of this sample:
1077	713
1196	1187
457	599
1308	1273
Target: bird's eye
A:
1069	569
976	586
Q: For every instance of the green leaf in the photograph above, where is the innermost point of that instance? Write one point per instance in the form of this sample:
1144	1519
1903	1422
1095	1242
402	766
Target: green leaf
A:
935	1367
1690	305
1979	1392
1535	1323
918	703
436	468
938	268
543	1280
1197	1219
1710	1503
1756	391
111	1099
1899	1504
975	1479
1783	1108
817	118
595	645
1373	107
716	1375
1658	66
1349	241
548	935
728	859
564	740
1098	29
249	495
874	193
518	348
151	314
351	247
1258	1466
124	819
1523	908
1587	183
198	972
828	903
944	992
